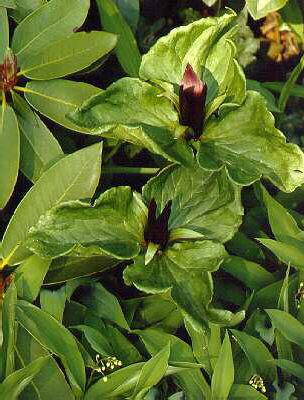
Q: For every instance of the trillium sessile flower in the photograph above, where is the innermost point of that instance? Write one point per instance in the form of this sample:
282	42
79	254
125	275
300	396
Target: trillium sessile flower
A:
192	101
8	71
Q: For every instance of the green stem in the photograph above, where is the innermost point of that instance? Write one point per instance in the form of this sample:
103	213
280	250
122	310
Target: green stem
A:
129	170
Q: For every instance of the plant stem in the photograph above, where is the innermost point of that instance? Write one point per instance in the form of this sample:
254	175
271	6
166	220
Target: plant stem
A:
129	170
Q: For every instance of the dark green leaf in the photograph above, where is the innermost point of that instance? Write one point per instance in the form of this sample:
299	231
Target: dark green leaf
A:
241	392
291	368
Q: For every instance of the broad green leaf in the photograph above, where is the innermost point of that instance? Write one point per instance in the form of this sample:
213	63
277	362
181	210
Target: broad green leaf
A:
114	226
8	3
291	368
243	246
183	268
53	302
97	341
9	153
227	142
14	384
68	55
9	333
127	51
24	8
192	382
205	205
50	381
137	112
253	275
55	20
65	268
152	372
291	253
241	392
79	180
260	8
104	304
281	222
286	90
276	87
292	15
223	375
289	327
59	97
38	147
258	355
269	97
29	277
4	32
56	338
130	10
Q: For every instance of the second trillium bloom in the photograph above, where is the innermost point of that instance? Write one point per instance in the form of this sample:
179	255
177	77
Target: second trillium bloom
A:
192	100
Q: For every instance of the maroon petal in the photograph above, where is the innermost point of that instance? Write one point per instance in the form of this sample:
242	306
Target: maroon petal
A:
192	100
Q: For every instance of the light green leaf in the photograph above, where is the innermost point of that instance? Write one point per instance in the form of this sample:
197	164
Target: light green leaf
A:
53	302
9	153
205	204
241	392
50	381
223	375
183	268
9	333
8	3
227	141
292	15
152	372
59	97
17	381
114	227
4	32
68	55
29	277
55	20
79	180
260	8
269	97
24	8
258	355
38	148
291	368
56	338
289	326
291	253
127	51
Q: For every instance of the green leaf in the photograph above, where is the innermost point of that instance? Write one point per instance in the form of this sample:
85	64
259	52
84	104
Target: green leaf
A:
253	275
291	368
104	304
289	327
50	381
127	51
38	148
292	15
24	8
53	302
227	141
4	32
98	342
289	254
205	44
57	98
205	205
258	355
55	337
276	87
223	375
8	3
241	392
79	180
9	334
281	222
68	55
130	10
152	372
183	269
269	97
55	20
29	277
286	90
17	381
9	153
114	226
260	8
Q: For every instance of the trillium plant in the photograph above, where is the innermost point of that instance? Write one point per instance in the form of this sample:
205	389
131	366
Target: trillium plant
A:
166	238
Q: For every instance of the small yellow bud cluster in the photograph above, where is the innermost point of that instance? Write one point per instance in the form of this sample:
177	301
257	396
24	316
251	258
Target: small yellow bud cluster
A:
106	364
300	294
257	383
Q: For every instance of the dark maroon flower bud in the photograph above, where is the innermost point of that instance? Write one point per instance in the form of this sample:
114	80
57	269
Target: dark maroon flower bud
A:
192	100
8	72
157	227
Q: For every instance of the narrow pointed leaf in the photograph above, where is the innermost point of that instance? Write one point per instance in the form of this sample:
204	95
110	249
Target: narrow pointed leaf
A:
4	32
